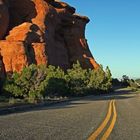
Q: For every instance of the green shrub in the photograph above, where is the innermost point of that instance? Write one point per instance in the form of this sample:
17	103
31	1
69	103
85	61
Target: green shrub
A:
55	82
99	80
77	79
133	83
36	82
27	84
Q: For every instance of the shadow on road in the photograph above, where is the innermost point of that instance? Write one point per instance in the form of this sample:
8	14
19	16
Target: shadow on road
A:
120	94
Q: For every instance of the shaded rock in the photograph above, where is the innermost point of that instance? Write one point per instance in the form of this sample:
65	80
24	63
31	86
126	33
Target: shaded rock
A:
2	70
4	19
42	32
40	53
26	32
21	11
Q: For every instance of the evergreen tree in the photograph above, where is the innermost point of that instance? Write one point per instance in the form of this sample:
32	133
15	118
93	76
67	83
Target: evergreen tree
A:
77	79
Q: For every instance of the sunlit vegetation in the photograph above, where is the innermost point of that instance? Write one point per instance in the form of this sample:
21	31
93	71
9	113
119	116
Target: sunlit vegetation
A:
126	82
138	81
37	82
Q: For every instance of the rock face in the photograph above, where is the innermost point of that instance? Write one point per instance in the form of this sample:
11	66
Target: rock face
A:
4	18
42	32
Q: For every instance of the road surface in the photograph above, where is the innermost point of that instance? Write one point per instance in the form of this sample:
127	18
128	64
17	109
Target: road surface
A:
113	117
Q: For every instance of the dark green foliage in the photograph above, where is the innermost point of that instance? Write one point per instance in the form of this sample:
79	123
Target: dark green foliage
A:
108	77
100	80
77	79
55	82
57	87
28	83
83	81
125	81
116	82
36	82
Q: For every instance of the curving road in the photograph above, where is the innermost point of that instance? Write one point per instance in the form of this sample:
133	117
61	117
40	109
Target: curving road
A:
78	120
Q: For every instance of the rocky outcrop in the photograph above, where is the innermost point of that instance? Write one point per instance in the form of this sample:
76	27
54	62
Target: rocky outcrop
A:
14	55
42	32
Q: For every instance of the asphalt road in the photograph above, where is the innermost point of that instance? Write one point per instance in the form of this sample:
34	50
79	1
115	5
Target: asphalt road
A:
127	126
76	120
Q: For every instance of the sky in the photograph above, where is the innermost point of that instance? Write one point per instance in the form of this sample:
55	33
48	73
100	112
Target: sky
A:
113	33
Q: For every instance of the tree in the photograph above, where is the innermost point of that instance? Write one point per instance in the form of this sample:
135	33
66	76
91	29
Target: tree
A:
28	83
36	82
125	81
100	80
108	78
55	82
125	78
77	79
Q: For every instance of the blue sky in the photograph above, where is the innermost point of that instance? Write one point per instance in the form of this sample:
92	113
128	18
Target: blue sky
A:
113	33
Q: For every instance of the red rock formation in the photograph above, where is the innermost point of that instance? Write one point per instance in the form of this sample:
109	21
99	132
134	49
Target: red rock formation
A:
42	32
40	53
14	55
26	32
92	61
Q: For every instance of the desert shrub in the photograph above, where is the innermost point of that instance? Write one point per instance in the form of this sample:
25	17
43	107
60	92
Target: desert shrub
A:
99	80
133	84
116	82
55	82
36	82
77	79
125	81
138	81
96	79
28	83
108	79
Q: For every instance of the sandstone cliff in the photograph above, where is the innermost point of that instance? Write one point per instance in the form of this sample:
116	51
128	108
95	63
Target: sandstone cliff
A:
42	32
